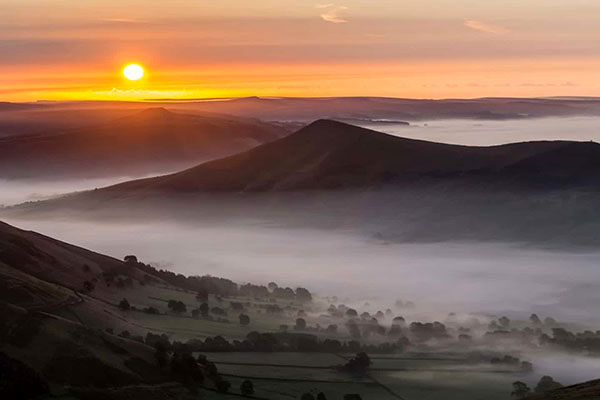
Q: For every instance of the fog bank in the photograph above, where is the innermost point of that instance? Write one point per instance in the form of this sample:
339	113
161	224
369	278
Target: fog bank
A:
467	277
493	132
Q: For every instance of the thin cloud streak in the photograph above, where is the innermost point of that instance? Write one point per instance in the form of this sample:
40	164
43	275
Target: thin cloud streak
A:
483	27
332	15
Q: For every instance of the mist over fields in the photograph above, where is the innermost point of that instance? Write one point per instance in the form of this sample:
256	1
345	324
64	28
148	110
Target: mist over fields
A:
440	277
356	253
457	252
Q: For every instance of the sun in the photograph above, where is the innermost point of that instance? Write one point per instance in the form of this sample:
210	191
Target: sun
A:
133	72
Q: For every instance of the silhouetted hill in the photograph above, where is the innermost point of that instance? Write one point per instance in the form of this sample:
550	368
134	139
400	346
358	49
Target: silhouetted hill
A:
51	260
583	391
332	155
147	141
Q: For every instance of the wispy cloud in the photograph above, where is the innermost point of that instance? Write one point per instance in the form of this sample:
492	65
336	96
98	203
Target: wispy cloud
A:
120	20
483	27
332	13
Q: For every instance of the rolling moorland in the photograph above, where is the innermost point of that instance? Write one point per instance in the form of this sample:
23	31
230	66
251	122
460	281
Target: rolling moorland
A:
334	175
143	142
80	324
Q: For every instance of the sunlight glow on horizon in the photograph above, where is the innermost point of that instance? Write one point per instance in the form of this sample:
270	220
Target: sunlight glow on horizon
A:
398	49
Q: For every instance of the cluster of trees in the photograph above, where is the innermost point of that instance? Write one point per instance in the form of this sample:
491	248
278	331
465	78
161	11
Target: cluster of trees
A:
504	323
418	331
581	341
177	360
204	285
545	384
290	342
357	365
177	306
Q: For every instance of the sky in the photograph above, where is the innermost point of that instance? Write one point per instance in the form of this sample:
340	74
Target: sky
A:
76	49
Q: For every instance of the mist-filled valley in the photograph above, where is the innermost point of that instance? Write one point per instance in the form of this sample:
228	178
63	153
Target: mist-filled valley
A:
459	270
441	277
293	200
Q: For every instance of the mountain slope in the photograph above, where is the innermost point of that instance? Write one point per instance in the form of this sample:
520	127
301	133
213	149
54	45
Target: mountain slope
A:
149	141
583	391
51	260
332	155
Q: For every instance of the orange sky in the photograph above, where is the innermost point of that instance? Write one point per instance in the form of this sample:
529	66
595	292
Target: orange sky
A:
74	49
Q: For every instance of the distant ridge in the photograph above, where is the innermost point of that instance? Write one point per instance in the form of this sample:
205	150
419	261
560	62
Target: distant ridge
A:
332	155
143	142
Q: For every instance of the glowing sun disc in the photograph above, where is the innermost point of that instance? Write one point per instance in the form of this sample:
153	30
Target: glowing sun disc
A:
133	72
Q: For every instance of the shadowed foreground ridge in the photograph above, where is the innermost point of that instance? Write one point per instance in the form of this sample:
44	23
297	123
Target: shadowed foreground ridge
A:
583	391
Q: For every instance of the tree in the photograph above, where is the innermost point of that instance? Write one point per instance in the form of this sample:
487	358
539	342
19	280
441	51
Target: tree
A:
504	322
222	385
130	259
357	365
535	319
204	309
321	396
520	390
177	306
185	368
124	305
300	324
247	388
244	319
546	384
351	313
303	295
272	286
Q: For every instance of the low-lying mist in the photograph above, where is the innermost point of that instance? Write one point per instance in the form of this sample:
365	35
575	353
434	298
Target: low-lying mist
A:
493	132
439	277
24	190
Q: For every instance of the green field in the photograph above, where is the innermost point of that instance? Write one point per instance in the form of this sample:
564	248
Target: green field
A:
288	375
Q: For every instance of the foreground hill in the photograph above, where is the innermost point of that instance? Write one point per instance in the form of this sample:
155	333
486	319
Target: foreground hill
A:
583	391
333	155
146	141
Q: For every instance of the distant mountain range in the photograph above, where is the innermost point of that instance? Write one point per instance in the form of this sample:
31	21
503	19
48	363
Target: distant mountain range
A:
333	155
144	142
306	109
149	141
334	175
